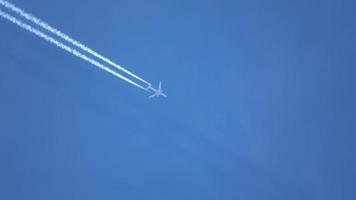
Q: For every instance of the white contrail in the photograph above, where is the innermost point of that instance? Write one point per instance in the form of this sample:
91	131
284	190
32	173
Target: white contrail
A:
66	48
65	37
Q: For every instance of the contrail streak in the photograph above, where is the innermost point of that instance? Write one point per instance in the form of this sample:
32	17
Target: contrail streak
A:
66	48
65	37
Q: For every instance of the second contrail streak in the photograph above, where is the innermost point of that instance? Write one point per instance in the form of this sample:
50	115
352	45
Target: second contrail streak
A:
66	48
65	37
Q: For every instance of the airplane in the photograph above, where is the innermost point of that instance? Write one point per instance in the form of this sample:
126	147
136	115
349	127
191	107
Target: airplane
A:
157	92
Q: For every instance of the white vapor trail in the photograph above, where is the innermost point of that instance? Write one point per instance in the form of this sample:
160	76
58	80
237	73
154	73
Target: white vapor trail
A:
65	37
66	48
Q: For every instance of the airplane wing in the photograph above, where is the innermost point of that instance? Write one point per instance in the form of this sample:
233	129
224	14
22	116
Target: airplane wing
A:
153	95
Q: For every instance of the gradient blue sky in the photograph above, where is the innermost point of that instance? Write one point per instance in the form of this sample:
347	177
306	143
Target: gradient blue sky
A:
261	102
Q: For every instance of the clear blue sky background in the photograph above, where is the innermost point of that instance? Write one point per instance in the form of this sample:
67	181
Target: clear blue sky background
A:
261	102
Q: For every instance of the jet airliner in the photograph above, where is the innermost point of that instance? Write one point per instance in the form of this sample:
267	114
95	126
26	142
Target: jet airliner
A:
157	92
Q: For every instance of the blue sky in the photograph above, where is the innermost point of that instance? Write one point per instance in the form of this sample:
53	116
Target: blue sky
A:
260	102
